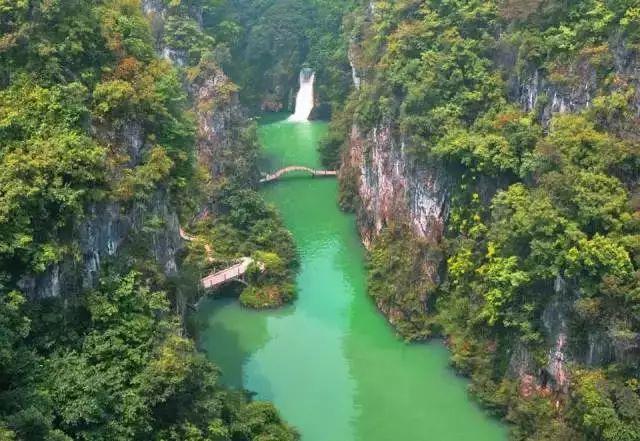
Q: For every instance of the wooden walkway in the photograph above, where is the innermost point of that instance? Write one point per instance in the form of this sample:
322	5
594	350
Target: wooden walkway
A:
234	272
207	247
185	236
293	168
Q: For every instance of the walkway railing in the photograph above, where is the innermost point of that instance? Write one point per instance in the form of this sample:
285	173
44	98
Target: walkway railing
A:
234	272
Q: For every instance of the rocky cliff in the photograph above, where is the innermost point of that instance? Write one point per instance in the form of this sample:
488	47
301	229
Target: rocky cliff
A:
539	91
393	186
222	146
572	86
390	184
107	229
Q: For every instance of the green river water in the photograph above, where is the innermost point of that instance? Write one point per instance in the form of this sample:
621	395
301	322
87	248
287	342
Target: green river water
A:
330	363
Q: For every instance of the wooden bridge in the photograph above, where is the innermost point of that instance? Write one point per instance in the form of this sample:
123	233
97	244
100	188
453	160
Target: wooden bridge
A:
233	273
293	168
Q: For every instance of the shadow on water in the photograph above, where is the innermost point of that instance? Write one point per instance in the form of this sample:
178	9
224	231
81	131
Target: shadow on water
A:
229	338
402	391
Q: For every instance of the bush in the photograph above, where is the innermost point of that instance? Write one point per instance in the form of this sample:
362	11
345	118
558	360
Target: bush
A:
267	296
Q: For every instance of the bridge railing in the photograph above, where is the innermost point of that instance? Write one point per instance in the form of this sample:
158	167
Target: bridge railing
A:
268	177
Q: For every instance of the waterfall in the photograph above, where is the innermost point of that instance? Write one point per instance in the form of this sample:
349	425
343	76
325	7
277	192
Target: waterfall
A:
304	100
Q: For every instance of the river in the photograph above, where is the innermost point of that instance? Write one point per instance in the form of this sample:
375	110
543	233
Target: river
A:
330	362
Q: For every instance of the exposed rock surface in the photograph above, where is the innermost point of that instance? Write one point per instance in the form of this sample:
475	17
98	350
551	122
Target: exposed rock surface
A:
103	233
533	90
391	187
219	116
107	226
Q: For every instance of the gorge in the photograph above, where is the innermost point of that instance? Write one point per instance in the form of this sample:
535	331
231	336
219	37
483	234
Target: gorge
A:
330	357
437	225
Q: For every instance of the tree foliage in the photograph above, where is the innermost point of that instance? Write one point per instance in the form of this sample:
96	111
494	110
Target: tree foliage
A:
90	116
542	198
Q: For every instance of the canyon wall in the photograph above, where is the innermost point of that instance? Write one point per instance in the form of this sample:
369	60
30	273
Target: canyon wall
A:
105	231
109	227
395	187
390	185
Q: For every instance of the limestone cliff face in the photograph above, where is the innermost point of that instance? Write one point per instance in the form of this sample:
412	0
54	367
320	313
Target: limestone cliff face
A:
279	97
535	90
108	226
391	187
213	95
220	119
104	233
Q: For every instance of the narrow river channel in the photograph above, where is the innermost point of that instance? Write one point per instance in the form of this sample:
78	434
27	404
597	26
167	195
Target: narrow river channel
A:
330	363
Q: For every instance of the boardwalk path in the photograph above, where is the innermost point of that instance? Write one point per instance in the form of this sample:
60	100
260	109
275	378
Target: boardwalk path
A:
234	272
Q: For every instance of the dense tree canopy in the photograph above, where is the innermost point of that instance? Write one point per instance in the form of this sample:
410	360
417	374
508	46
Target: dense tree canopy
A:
543	199
282	36
91	116
97	107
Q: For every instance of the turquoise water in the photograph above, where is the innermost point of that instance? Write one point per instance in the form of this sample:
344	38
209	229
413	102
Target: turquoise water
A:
330	363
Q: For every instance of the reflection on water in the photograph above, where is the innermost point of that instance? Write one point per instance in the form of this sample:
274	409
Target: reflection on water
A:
329	362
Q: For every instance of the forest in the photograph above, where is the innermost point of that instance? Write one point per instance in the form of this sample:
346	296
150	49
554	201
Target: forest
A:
93	121
542	198
527	110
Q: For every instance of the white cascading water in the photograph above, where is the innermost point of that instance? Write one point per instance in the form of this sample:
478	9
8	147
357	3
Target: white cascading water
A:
304	100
